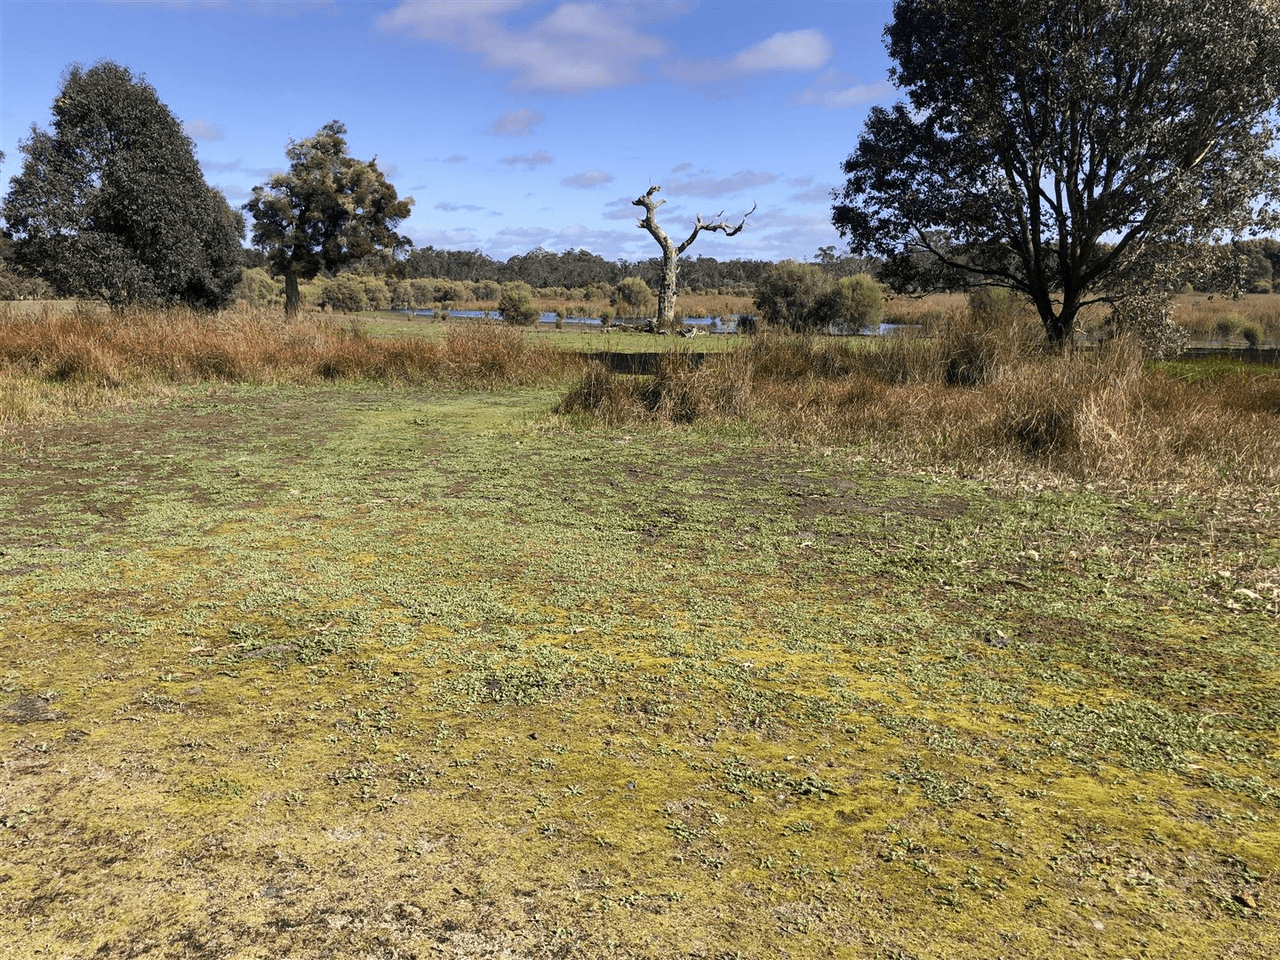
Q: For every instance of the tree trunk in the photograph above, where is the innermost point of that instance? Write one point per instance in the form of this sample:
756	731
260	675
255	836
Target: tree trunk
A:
667	289
292	295
1060	327
671	253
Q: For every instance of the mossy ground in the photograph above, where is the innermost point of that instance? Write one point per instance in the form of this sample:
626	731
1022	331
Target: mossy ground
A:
351	672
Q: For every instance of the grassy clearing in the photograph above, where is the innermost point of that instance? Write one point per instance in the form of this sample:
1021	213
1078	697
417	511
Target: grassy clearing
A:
370	662
335	671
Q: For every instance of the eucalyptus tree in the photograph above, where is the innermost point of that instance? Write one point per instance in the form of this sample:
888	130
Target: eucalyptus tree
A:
671	250
1071	150
327	211
111	202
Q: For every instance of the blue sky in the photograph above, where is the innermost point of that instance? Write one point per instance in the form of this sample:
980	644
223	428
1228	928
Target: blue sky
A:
512	124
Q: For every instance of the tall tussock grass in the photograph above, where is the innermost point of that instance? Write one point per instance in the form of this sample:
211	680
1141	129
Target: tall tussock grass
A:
979	395
247	344
55	360
683	389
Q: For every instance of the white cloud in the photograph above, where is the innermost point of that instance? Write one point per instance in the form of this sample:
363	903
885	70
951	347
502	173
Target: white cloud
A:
458	238
455	207
706	185
587	180
821	193
539	158
795	50
576	47
791	50
517	123
621	209
203	130
832	90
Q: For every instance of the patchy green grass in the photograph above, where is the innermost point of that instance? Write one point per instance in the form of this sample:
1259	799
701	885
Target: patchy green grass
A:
351	671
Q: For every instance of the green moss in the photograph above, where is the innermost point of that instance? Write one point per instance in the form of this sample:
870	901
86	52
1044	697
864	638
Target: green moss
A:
346	670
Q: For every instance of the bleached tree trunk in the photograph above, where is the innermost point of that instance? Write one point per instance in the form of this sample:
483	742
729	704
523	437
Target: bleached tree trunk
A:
671	252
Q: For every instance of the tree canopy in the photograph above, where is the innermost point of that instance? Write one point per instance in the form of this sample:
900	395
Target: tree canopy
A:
1067	149
111	202
327	211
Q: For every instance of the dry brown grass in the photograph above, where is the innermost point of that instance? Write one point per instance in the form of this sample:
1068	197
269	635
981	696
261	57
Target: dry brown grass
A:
1207	318
983	398
684	388
69	359
1222	319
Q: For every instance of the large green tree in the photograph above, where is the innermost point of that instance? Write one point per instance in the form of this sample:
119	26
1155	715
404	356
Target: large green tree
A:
1067	149
326	212
111	202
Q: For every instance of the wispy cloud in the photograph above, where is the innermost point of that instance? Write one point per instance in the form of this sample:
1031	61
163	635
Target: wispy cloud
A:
621	209
587	180
821	193
574	48
455	207
704	184
539	158
834	90
203	130
792	50
517	123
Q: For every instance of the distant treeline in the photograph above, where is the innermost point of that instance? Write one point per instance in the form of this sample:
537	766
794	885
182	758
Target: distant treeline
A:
578	269
573	269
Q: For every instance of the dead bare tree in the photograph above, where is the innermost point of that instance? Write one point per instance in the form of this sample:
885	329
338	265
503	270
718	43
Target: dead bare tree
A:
671	252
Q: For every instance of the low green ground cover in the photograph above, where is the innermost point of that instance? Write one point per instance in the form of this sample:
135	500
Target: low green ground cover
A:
352	671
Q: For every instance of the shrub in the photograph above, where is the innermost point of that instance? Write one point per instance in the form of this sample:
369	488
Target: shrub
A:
516	306
487	290
1252	334
856	302
633	296
995	306
259	288
1148	319
377	294
345	292
1227	325
789	295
